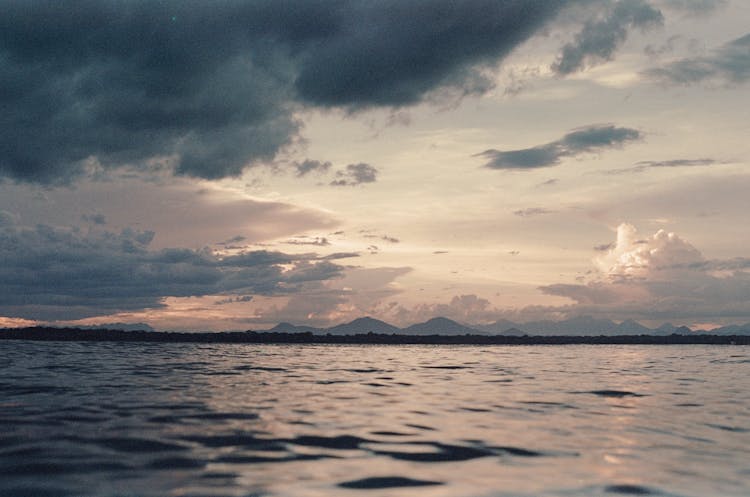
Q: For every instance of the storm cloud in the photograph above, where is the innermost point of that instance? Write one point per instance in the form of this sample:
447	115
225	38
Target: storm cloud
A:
728	64
600	37
208	89
53	273
579	141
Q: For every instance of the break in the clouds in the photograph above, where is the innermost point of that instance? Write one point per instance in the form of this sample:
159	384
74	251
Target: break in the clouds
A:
662	276
728	64
576	142
52	273
601	36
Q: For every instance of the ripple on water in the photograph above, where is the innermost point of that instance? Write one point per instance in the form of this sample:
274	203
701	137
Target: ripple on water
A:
627	489
387	482
613	393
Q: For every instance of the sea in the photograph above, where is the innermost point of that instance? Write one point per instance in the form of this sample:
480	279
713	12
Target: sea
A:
172	419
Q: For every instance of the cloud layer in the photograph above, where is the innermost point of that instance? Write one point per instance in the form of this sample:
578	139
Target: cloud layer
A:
207	89
728	64
52	273
576	142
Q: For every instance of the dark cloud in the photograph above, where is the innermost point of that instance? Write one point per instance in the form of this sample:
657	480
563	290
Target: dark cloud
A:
646	165
728	64
309	166
694	7
54	273
576	142
393	53
233	241
96	218
600	37
356	174
533	211
234	300
385	238
207	89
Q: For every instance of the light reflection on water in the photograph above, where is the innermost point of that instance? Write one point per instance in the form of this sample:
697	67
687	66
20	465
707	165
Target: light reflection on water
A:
327	420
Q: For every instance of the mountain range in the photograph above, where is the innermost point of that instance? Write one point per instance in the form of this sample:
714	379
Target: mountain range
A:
579	326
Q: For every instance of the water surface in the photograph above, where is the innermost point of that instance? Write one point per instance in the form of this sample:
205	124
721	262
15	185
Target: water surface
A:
128	419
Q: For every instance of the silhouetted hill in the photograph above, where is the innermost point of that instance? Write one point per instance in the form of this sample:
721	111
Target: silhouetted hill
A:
440	326
630	327
363	325
579	325
498	327
733	329
291	328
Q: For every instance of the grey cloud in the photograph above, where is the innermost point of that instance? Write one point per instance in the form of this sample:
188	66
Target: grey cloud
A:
646	165
604	247
576	142
233	300
52	273
694	7
533	211
317	241
600	38
308	166
728	64
208	89
234	240
96	218
385	238
356	174
393	52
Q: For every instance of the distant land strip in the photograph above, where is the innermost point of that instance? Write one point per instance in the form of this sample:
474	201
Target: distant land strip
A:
261	337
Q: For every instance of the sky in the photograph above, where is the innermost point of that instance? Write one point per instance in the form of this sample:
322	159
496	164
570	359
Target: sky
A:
230	165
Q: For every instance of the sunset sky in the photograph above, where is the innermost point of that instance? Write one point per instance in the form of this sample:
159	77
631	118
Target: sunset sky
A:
231	165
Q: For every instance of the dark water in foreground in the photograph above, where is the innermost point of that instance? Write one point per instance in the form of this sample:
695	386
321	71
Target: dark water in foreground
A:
121	419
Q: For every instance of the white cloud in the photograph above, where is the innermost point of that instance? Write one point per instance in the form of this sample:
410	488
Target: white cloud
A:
660	277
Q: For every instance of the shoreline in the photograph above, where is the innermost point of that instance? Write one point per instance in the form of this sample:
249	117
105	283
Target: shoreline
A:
262	337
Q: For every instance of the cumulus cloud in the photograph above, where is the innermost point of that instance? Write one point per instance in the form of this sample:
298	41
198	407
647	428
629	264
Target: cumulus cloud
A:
356	174
601	36
52	273
208	89
660	277
576	142
728	64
